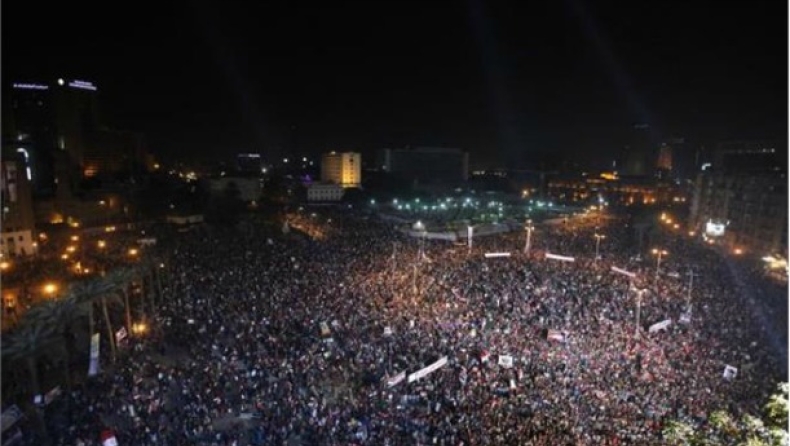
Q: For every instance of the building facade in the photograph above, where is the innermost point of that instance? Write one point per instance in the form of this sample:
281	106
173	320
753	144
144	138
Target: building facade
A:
427	165
745	190
616	190
325	192
18	222
343	169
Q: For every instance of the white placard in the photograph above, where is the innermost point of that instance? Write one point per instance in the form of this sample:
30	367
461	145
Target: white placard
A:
506	361
490	255
556	335
730	372
388	331
660	326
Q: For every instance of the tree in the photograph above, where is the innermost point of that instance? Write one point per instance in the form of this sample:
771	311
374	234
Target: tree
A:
59	314
722	428
87	294
27	343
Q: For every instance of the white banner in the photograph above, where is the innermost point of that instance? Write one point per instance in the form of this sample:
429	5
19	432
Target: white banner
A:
427	370
556	335
660	326
497	254
506	361
93	365
388	331
396	379
558	257
469	231
730	372
623	272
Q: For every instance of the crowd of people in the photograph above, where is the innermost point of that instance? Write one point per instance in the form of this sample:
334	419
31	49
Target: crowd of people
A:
273	338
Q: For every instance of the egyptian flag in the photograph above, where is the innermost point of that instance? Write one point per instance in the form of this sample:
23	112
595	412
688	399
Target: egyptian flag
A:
108	438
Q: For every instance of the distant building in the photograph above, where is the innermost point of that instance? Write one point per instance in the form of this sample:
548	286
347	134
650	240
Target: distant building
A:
427	165
664	162
318	192
343	169
18	223
250	163
745	190
615	189
61	122
250	188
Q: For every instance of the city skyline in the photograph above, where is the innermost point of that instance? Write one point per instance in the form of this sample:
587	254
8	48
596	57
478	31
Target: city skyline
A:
507	83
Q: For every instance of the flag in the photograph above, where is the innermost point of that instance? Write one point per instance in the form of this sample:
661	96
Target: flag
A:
108	438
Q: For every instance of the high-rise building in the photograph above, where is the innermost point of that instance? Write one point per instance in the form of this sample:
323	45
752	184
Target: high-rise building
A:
249	163
664	162
344	169
17	213
744	191
427	165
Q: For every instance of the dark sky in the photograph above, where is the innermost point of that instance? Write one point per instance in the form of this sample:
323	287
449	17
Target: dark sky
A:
506	81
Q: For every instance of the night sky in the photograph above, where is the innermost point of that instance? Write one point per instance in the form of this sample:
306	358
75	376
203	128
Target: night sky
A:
509	82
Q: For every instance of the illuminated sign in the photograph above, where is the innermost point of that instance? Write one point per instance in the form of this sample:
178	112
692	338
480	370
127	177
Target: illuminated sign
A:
714	229
83	85
31	87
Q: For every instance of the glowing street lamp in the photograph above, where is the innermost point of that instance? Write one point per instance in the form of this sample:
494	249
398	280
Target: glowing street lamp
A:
133	252
659	253
598	238
4	265
529	228
50	289
102	244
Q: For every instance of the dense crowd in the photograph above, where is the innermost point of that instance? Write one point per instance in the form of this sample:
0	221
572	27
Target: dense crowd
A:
271	338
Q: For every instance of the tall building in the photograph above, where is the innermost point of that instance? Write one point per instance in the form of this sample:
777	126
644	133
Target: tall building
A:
664	162
249	163
427	165
344	169
18	219
745	191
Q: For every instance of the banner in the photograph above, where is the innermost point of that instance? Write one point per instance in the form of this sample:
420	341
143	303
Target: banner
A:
396	379
497	254
422	373
558	257
623	272
730	372
556	335
506	361
93	365
388	331
469	232
660	326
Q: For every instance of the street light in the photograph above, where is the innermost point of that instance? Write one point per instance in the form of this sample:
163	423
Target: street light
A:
598	238
133	252
660	253
529	228
50	288
102	244
691	285
4	265
639	294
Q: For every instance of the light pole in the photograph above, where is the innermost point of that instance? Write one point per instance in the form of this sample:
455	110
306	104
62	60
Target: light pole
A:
660	253
394	252
528	243
688	297
598	238
638	309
